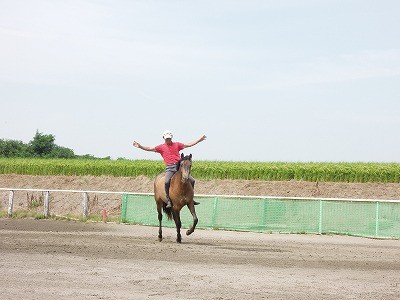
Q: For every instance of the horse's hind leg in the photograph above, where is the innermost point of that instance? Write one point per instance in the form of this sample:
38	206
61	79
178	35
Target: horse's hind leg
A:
178	224
195	220
159	210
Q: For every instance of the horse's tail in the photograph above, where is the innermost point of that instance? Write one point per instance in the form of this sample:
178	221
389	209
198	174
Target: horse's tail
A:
167	211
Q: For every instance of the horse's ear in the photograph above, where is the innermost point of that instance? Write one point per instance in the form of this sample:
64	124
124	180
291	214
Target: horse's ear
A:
190	156
182	155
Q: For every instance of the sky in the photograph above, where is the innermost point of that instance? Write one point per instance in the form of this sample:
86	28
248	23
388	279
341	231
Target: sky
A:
287	80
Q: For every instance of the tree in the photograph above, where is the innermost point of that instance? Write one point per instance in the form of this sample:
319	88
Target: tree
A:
61	152
13	148
42	144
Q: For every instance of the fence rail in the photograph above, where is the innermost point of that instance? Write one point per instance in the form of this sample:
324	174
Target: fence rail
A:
363	217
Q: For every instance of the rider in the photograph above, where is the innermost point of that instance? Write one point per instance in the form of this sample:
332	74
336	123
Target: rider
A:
170	153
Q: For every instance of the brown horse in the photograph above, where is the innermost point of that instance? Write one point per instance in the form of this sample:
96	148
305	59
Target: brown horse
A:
181	194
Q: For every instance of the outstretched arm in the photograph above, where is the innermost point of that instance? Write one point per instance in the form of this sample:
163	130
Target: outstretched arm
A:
202	138
137	145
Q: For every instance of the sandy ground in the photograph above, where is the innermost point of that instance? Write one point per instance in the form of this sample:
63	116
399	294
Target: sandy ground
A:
62	203
48	259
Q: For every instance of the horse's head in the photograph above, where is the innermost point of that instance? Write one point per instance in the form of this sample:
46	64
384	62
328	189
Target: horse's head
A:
185	165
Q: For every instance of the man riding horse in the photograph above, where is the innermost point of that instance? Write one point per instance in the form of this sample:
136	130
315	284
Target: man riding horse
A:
170	153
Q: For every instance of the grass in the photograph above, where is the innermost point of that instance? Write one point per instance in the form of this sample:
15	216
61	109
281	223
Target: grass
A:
24	214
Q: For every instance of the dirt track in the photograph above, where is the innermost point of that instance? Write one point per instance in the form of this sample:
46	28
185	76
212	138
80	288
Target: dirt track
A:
47	259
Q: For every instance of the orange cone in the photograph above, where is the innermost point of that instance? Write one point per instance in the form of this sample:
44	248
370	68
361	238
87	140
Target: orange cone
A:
105	215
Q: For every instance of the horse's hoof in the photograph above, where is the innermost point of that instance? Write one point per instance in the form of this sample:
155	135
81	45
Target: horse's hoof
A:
189	232
179	240
160	238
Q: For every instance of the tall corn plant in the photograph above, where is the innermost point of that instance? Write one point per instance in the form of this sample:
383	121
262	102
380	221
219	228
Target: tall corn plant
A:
280	171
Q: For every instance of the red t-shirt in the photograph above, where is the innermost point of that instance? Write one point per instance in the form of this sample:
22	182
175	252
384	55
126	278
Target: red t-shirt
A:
170	153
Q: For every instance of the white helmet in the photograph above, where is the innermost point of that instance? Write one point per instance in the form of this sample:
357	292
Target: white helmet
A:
167	134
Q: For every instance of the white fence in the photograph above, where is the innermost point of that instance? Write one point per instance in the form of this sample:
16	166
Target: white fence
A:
46	204
85	208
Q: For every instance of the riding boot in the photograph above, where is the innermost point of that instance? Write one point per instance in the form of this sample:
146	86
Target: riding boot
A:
169	202
195	202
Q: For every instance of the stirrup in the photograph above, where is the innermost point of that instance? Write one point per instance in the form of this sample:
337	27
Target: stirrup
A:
196	203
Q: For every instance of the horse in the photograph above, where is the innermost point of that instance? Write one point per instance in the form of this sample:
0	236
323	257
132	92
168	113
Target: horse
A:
181	194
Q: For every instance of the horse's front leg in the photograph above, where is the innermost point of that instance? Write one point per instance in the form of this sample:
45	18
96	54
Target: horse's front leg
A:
159	210
195	220
178	224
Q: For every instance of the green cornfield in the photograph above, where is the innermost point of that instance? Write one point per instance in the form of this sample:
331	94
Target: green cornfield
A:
270	171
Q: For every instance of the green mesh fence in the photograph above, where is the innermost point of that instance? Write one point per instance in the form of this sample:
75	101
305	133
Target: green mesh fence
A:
323	216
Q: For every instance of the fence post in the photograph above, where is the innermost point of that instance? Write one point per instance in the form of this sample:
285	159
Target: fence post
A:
10	203
214	215
264	214
320	217
377	219
123	208
46	204
85	205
